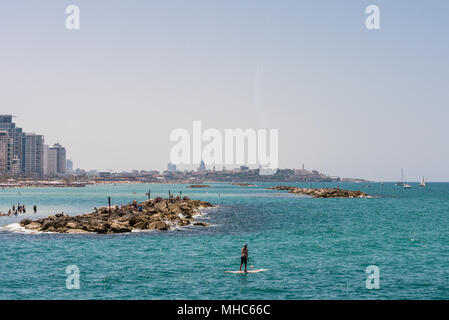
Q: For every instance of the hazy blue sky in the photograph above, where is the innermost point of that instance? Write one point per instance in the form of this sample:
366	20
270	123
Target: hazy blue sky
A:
347	101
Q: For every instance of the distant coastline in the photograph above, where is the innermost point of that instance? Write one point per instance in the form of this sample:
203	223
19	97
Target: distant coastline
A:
242	177
81	184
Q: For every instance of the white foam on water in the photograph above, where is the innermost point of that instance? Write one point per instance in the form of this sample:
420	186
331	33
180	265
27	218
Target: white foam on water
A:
17	228
141	230
177	227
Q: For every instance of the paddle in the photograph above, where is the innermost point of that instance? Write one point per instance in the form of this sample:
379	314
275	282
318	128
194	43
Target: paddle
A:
251	265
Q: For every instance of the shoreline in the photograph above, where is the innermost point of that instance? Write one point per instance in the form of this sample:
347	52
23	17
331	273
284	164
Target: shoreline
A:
69	182
44	184
82	184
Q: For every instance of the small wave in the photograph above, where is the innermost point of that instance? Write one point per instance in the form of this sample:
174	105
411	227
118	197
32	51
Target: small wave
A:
17	228
177	227
140	230
212	225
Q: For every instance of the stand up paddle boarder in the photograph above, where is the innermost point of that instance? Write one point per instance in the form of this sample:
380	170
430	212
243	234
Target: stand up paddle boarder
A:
244	257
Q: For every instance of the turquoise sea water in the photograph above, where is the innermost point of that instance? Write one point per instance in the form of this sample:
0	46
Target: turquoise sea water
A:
312	248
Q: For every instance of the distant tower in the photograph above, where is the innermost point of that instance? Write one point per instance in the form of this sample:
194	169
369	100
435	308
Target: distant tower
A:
33	154
202	166
303	166
171	167
17	136
69	166
57	162
5	152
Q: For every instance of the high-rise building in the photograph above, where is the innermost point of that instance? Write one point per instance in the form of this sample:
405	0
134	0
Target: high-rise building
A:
17	136
57	162
16	166
5	153
33	154
52	162
171	167
45	159
202	166
69	166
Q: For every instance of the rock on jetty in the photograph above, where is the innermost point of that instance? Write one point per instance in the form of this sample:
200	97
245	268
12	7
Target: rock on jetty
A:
243	184
323	192
198	186
156	214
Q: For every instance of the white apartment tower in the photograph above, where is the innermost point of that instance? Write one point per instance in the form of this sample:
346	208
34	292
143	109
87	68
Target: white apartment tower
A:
33	154
5	153
56	159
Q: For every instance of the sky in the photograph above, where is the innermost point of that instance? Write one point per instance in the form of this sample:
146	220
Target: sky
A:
346	100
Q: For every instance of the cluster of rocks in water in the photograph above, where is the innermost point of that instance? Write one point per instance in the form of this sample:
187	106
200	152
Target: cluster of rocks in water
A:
243	184
323	192
154	214
199	186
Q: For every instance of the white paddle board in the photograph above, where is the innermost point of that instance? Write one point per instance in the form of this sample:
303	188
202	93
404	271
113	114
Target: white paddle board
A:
249	271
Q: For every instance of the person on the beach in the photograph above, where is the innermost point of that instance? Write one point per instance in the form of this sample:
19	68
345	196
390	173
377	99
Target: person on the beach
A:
35	208
244	256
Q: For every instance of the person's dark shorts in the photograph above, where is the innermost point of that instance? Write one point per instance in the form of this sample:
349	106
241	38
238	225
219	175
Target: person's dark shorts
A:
243	259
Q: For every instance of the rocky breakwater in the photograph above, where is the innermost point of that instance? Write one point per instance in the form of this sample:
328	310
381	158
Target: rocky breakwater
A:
323	192
243	184
198	186
154	214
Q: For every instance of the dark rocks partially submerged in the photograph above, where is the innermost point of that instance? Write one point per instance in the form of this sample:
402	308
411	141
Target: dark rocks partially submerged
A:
243	184
323	192
155	214
198	186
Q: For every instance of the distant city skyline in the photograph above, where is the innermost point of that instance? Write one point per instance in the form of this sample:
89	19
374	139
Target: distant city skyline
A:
26	154
347	101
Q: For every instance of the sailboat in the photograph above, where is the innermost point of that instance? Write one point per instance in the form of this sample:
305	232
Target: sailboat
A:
423	183
407	186
402	183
